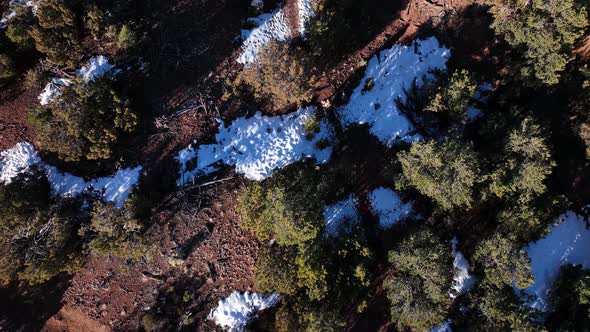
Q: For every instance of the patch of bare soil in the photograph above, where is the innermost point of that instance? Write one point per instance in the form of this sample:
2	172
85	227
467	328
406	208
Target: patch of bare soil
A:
71	319
14	105
197	246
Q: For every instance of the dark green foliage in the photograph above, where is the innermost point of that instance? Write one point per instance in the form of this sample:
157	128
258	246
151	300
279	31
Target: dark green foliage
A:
114	231
276	271
418	289
503	263
310	269
287	208
284	76
18	28
545	31
494	309
7	70
38	238
570	299
454	95
446	172
526	166
127	38
85	122
57	34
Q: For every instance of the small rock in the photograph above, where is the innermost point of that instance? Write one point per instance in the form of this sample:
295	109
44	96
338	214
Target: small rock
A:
103	306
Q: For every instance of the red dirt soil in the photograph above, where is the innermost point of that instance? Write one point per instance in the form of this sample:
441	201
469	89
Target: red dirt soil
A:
13	111
108	294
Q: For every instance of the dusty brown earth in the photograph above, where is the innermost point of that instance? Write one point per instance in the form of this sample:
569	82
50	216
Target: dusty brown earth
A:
13	109
203	248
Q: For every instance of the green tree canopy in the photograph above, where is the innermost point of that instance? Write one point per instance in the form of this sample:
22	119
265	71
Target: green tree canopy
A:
545	30
527	164
57	34
418	290
446	172
85	122
504	264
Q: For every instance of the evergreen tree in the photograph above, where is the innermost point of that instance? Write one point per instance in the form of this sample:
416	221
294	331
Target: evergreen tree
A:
504	264
446	172
418	290
546	31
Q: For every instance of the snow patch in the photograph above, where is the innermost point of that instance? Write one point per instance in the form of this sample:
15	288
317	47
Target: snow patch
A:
269	26
338	215
53	90
373	102
235	311
567	243
23	156
388	206
445	327
96	67
257	146
462	280
305	13
17	160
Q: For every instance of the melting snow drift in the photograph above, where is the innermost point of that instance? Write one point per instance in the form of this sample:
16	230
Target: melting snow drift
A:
568	243
257	146
337	215
373	102
113	189
462	280
388	206
239	308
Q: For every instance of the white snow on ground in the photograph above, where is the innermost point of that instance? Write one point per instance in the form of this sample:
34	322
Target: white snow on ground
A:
392	71
273	26
445	327
96	67
340	213
305	13
234	312
388	206
113	189
17	160
53	90
257	146
462	280
568	243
